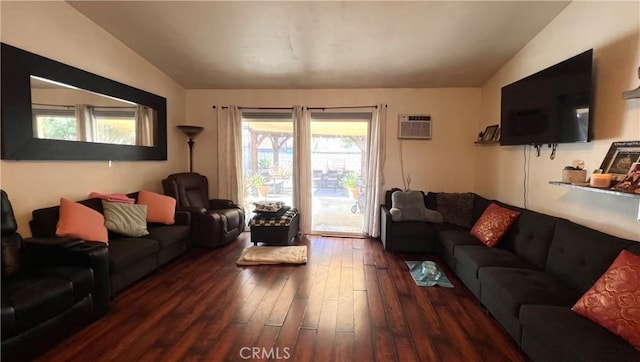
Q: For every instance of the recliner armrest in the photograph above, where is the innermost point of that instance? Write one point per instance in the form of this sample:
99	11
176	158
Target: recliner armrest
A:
74	252
192	209
221	204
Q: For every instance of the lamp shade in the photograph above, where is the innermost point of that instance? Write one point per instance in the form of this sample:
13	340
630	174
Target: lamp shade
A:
190	131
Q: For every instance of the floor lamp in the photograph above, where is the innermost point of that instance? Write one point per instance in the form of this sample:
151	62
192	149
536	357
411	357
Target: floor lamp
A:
191	132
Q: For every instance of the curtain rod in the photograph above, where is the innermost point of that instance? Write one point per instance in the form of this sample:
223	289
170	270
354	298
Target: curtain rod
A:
290	108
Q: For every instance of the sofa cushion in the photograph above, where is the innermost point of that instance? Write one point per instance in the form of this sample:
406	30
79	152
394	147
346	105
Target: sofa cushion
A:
517	286
126	219
160	208
127	251
504	290
451	236
579	256
29	300
553	333
494	224
456	208
409	206
476	257
614	300
470	258
168	235
82	222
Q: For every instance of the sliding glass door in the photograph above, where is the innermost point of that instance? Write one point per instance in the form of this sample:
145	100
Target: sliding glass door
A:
338	149
338	166
267	157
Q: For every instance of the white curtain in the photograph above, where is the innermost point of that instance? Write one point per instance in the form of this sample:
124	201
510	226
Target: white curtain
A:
376	154
230	154
144	126
302	189
86	123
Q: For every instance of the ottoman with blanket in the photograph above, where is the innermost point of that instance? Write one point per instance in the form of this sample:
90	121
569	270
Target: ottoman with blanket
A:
279	227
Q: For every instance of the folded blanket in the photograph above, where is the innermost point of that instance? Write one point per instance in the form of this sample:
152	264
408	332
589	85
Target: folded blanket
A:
115	197
256	255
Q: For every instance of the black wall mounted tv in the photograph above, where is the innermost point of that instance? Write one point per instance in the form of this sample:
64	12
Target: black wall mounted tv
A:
551	106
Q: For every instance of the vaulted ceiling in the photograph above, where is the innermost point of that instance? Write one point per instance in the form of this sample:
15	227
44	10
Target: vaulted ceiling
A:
316	44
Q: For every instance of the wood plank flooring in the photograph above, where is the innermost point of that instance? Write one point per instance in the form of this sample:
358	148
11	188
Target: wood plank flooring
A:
352	301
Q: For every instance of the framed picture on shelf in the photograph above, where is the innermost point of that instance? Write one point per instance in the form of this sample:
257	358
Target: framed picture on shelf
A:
620	157
489	133
631	182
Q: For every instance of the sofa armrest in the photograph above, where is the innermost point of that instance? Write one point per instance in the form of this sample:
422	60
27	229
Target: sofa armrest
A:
183	217
385	223
73	252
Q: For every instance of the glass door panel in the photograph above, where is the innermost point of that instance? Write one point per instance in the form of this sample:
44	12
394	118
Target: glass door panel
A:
338	164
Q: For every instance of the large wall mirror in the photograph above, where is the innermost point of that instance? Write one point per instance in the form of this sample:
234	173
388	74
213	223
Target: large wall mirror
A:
52	111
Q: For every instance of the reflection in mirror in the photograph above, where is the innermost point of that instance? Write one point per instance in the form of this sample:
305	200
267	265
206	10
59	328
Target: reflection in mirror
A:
64	112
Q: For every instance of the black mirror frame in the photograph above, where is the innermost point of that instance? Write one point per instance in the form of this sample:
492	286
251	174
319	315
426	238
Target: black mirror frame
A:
18	141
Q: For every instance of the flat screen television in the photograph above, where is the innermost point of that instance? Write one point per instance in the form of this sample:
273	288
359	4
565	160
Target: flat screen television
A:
551	106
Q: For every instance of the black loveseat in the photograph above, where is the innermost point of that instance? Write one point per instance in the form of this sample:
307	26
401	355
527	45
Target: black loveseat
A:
530	280
49	290
130	258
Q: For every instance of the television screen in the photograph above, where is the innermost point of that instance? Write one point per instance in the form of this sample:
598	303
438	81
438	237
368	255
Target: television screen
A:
551	106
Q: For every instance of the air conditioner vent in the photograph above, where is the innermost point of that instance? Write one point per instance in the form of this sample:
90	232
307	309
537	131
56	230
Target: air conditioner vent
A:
414	126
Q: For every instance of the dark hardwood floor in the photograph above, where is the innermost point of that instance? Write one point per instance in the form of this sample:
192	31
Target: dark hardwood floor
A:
352	301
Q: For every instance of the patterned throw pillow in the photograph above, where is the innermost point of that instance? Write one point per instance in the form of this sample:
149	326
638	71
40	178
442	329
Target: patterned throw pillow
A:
81	222
125	219
455	208
494	224
614	300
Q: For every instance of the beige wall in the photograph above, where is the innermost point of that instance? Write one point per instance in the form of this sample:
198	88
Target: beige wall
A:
445	163
612	30
449	162
57	31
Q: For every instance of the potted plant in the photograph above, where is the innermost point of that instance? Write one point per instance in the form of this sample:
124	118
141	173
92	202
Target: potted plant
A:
257	182
350	182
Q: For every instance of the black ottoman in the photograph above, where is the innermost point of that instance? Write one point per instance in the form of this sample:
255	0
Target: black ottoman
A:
275	230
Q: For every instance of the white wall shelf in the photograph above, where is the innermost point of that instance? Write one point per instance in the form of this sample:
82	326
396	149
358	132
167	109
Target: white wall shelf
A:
602	191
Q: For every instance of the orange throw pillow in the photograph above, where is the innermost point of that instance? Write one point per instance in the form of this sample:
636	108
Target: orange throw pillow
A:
614	300
494	224
82	222
160	208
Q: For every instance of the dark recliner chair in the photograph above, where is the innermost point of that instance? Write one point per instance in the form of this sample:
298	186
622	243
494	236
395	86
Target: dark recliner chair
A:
214	222
49	291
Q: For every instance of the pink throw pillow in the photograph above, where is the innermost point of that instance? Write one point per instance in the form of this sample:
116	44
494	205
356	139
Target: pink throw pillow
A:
82	222
160	208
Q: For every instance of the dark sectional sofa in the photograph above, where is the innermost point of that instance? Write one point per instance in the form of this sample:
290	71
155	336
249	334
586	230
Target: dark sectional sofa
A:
530	280
130	258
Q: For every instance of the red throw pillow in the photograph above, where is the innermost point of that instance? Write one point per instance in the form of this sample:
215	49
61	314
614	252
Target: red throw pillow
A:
160	208
614	300
494	224
82	222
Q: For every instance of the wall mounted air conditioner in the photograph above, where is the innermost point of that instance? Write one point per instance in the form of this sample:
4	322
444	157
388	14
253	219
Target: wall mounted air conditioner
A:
414	126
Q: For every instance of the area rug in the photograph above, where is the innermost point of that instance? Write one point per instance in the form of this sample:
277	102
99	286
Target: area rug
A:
428	278
257	255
